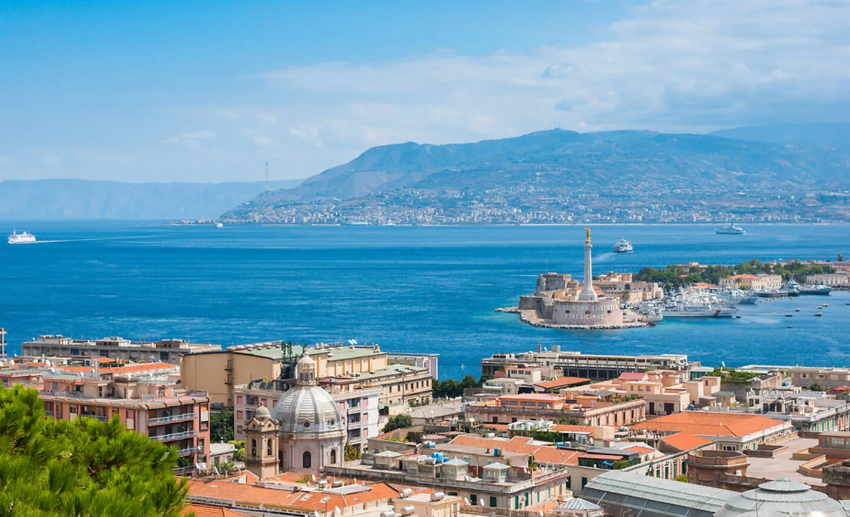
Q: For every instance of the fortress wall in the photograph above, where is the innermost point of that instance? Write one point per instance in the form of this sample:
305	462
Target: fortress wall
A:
603	312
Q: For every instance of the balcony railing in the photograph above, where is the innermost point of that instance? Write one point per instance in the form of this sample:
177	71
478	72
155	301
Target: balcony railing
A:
175	436
172	418
48	413
98	417
184	470
188	452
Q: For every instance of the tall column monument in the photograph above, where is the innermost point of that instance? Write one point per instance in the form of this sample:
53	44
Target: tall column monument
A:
587	293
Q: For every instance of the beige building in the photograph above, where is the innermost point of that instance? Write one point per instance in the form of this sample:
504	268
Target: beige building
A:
756	282
219	372
624	287
664	392
830	279
167	350
589	410
428	505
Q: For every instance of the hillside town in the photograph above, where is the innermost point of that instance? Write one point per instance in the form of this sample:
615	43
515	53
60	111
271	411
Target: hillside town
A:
274	428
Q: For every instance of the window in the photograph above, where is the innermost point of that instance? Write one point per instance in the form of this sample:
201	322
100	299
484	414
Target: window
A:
253	447
492	501
306	460
269	447
473	499
333	456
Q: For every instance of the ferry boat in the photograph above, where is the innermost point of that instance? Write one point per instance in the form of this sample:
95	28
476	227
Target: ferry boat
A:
623	246
21	238
815	289
219	225
730	229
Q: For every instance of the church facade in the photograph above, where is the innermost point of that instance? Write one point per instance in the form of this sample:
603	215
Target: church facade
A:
303	433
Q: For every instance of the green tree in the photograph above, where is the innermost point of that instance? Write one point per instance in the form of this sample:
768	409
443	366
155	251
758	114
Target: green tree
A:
568	420
840	257
467	382
398	422
239	455
816	387
352	453
484	378
80	468
221	427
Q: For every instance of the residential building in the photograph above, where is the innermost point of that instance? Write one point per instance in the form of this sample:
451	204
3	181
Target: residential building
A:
222	454
589	410
141	399
426	504
664	391
428	361
167	350
731	431
808	411
219	372
556	363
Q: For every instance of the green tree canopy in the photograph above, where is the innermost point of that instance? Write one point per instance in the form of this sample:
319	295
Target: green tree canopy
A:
221	426
398	422
81	468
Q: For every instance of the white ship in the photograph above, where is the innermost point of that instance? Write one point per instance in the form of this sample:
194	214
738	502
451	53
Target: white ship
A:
815	289
623	246
219	225
696	307
21	238
791	288
730	229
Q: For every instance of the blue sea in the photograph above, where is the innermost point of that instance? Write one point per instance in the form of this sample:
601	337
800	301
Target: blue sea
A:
411	289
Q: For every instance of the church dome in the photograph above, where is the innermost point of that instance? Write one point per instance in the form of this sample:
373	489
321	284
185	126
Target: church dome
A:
262	412
782	496
307	409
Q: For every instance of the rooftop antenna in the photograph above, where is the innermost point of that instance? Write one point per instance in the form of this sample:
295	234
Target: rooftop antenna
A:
267	176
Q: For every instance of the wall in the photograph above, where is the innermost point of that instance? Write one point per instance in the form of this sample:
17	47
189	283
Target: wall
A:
207	372
601	313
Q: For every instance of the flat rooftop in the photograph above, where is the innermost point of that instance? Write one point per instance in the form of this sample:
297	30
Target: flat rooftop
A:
782	465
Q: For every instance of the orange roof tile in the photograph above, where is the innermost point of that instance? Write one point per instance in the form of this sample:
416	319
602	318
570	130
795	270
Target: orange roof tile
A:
562	382
685	441
201	510
709	424
563	428
640	450
551	455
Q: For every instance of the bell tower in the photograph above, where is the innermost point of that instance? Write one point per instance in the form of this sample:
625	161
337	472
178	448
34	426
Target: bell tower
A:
261	444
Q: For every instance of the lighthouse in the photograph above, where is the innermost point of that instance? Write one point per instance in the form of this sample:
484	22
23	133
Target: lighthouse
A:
587	293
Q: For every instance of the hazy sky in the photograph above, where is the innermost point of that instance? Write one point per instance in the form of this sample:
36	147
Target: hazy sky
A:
210	90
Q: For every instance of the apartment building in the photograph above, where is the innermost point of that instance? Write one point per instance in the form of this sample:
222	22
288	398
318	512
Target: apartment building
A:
219	372
359	406
840	279
589	410
167	351
664	392
556	363
428	361
141	398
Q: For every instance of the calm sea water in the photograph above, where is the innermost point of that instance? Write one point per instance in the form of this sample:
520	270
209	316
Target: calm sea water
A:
413	289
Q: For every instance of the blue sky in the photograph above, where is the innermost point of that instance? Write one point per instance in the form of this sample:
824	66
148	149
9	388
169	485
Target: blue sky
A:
209	91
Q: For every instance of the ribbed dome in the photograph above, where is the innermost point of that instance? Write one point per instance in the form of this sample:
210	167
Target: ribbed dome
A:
783	496
307	409
262	412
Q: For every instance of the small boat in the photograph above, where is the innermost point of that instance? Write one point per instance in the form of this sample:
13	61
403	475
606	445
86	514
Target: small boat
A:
790	326
826	305
789	315
21	238
730	229
623	246
219	225
818	314
796	310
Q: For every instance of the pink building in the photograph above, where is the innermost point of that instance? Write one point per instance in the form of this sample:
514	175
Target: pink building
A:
141	398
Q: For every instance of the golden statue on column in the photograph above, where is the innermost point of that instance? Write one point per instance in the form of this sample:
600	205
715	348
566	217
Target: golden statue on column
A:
587	230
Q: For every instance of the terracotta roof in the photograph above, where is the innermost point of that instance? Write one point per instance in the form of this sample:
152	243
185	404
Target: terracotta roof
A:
640	450
552	455
310	501
201	510
744	277
145	367
562	382
709	424
518	444
685	441
632	376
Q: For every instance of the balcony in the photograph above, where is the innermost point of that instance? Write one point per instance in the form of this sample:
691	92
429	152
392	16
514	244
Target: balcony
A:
184	470
175	436
190	451
173	418
48	413
98	417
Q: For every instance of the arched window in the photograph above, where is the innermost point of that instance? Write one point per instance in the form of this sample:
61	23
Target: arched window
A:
306	460
333	456
269	448
253	447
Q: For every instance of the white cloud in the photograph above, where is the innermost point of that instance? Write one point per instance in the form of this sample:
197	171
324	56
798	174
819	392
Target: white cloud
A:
688	65
191	139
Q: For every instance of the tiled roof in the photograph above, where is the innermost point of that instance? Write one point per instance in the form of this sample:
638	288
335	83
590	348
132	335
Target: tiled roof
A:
632	376
522	445
640	450
685	441
310	501
709	424
201	510
561	382
555	456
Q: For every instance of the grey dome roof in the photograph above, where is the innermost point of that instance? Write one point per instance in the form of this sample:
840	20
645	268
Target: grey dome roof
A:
261	412
783	496
307	409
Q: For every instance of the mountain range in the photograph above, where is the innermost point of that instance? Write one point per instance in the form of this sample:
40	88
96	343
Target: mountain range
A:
570	176
81	199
